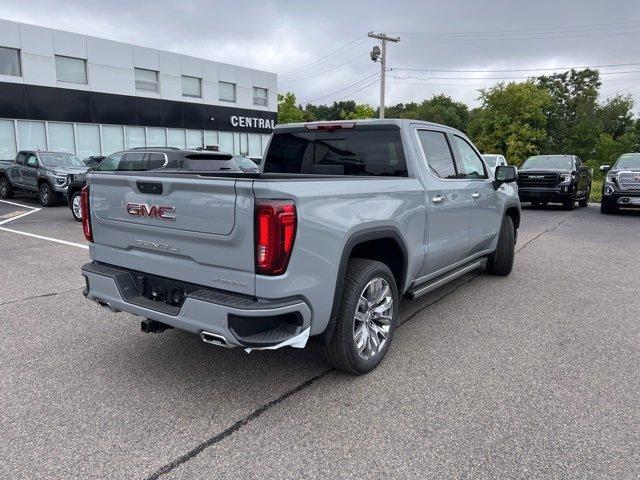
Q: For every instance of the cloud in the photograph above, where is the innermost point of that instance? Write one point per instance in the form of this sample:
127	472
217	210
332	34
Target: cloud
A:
282	36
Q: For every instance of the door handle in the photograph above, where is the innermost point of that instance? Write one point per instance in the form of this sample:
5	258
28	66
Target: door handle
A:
438	199
475	195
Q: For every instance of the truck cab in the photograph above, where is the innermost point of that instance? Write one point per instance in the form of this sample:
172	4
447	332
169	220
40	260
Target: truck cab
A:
621	188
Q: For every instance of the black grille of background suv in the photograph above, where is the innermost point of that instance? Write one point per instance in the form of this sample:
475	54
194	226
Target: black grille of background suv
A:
532	180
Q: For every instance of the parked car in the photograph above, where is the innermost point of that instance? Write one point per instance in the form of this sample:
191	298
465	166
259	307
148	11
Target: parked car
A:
151	158
494	160
93	161
345	219
621	188
561	179
46	174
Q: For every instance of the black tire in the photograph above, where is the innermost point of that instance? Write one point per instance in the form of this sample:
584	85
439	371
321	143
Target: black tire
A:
341	351
606	208
6	191
501	260
75	196
47	195
569	204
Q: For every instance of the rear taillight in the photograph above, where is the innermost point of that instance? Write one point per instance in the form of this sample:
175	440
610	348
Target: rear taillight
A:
275	232
86	214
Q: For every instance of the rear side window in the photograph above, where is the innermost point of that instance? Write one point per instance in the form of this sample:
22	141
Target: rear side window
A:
438	154
132	162
341	152
472	165
156	160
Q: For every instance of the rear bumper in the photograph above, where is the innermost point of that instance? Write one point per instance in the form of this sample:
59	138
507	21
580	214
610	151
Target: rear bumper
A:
558	194
242	321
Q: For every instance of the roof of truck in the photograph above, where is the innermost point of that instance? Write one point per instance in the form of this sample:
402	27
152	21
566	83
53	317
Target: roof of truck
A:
399	122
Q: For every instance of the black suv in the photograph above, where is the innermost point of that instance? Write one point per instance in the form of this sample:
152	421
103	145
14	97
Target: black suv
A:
561	179
152	158
621	187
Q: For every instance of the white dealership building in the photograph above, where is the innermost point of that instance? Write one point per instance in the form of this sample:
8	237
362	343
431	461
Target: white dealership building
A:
68	92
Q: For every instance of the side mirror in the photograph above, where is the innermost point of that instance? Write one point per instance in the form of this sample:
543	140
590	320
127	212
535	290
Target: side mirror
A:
505	174
605	168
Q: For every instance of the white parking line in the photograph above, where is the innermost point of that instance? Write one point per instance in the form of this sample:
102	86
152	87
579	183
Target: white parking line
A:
33	235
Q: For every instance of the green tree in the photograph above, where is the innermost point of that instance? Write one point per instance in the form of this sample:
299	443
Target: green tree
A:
288	110
362	110
512	120
617	115
442	109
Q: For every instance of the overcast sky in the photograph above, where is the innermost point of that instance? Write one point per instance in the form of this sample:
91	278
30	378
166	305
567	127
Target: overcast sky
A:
322	45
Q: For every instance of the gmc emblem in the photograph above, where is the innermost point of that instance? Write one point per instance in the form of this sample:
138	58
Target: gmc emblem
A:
152	211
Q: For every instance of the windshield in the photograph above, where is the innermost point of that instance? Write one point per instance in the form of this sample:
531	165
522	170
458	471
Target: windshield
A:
244	162
490	159
60	160
554	162
628	161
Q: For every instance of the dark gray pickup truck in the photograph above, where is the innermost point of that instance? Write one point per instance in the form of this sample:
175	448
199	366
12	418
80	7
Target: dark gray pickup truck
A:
344	220
46	174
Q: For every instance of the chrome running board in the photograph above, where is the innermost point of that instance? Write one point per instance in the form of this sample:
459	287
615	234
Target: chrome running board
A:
431	285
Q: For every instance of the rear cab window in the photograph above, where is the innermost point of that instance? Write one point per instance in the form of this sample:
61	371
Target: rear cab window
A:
360	151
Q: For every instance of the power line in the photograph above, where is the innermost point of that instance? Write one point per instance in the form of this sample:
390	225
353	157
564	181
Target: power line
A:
359	89
359	56
493	78
328	56
610	65
343	89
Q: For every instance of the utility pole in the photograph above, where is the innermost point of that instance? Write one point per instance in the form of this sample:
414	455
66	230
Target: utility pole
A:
380	54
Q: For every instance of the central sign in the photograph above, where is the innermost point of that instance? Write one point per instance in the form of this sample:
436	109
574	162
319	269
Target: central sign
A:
252	122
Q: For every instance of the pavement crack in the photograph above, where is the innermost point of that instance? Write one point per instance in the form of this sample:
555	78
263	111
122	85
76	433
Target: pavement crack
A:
544	232
43	295
233	428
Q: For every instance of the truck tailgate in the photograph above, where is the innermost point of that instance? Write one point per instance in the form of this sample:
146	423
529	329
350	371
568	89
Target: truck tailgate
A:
189	228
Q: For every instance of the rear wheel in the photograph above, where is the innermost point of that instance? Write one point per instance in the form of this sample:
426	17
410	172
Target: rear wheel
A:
76	206
366	320
501	260
5	188
47	195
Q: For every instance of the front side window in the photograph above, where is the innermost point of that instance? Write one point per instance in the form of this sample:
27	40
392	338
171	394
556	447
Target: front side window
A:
146	80
32	161
226	92
191	87
72	70
10	62
438	154
491	160
260	96
111	163
471	166
132	162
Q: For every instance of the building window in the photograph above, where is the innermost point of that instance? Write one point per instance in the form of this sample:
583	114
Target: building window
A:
61	138
10	62
135	137
191	87
260	96
265	143
112	139
156	137
226	142
210	139
146	80
226	92
88	140
176	138
7	140
255	149
72	70
32	136
244	144
194	139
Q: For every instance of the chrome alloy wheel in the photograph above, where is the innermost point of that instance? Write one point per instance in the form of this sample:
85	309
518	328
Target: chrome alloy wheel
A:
3	187
372	320
44	194
76	206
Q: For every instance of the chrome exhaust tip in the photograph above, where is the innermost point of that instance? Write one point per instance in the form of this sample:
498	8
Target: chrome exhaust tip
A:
214	339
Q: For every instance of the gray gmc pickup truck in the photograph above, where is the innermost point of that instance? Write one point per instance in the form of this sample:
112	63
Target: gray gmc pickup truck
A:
343	220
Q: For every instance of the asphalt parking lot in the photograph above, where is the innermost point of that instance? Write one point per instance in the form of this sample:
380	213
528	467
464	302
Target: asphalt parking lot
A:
532	375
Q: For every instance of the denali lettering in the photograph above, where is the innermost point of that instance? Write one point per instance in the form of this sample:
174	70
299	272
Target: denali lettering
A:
252	122
158	246
151	211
